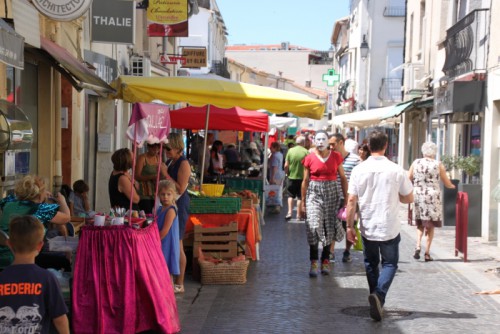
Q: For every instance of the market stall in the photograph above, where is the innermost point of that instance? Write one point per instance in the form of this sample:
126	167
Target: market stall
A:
120	282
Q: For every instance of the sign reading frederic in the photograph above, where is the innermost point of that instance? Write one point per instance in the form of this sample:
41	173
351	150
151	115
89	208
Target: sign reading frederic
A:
62	10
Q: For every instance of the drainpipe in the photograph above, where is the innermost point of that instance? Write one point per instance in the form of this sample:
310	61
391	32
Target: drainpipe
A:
57	121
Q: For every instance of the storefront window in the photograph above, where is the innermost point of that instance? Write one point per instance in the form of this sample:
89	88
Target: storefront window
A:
475	140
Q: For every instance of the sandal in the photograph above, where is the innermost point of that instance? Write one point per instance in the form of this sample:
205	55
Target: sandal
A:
288	216
178	288
416	256
428	258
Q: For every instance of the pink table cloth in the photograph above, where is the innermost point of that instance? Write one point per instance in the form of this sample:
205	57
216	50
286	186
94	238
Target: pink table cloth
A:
121	282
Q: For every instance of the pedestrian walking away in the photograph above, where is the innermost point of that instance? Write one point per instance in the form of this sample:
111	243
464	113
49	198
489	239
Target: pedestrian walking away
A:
378	185
426	174
295	171
319	188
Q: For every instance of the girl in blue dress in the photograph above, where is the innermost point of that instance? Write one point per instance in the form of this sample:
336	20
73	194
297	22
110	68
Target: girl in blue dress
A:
168	225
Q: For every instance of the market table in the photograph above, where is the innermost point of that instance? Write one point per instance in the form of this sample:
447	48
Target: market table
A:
121	282
248	224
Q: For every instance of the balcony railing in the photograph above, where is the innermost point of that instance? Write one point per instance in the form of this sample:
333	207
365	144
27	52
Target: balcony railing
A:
220	68
467	44
395	11
390	90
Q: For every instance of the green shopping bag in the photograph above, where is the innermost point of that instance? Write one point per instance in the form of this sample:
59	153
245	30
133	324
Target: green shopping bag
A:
359	243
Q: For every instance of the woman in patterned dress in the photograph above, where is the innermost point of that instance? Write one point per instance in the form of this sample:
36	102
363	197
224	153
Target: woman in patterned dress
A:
426	173
319	188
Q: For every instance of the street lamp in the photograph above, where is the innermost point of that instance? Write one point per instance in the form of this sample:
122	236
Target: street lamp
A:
363	48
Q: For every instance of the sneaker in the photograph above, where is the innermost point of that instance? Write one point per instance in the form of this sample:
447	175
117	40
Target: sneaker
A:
325	267
313	272
346	257
375	307
332	258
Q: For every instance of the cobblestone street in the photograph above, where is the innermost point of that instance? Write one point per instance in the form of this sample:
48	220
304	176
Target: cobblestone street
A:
279	297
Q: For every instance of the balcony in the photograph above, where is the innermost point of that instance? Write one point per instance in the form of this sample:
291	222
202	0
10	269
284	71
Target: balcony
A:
390	90
466	44
220	68
395	11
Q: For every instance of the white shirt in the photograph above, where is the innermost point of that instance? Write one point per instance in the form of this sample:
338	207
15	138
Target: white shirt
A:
351	146
377	182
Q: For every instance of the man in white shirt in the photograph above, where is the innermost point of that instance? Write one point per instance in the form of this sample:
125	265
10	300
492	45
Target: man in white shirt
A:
350	144
378	185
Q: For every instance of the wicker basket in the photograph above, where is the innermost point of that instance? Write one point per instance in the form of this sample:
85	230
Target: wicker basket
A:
214	190
224	273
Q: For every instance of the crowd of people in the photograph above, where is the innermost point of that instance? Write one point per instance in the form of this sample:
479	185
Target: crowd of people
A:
338	185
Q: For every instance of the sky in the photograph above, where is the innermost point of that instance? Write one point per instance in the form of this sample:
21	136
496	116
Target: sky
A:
300	22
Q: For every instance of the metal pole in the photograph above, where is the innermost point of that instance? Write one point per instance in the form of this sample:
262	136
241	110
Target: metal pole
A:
204	146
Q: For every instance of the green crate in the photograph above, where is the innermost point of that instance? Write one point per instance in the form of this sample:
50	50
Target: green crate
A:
215	205
238	184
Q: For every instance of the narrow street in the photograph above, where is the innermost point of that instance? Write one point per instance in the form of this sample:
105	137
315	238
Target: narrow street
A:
279	297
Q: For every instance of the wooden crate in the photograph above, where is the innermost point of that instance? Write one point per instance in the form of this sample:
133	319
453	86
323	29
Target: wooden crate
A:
220	241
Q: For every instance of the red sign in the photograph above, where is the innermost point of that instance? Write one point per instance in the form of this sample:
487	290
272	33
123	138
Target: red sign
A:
172	59
150	122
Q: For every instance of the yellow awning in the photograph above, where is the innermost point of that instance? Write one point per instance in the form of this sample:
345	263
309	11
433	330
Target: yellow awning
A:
218	92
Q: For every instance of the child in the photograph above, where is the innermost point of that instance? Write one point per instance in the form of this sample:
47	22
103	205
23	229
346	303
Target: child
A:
30	297
168	224
79	201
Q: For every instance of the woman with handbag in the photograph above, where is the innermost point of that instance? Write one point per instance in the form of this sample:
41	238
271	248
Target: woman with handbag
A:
426	174
319	188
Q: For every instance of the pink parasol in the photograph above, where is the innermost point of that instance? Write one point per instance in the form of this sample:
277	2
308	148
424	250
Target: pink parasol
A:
150	123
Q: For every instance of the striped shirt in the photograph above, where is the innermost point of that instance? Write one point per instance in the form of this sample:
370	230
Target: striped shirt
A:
350	161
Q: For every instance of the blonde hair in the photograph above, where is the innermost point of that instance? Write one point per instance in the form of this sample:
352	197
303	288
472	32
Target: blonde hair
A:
168	185
175	141
29	188
25	234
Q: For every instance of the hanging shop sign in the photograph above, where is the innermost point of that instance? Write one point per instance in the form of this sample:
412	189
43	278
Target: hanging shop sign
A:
167	18
459	96
106	68
172	59
11	46
62	10
195	57
113	21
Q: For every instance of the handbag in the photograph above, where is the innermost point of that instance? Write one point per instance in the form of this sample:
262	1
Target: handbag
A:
342	214
359	243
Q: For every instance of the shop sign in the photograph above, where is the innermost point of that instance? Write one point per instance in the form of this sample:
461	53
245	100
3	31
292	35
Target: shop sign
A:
62	10
105	68
113	21
459	96
195	57
167	18
11	46
172	59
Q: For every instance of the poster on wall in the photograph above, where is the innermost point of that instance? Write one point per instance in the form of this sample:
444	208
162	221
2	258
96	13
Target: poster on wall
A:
167	18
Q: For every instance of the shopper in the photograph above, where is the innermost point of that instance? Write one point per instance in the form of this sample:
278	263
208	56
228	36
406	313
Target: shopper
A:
319	188
28	291
30	195
121	187
350	161
146	173
378	185
180	171
168	225
426	174
295	171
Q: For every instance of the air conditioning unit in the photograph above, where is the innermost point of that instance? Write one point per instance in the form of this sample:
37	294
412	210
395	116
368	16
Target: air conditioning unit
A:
140	66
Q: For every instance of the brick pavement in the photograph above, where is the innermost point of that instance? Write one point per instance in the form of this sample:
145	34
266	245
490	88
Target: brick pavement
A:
279	297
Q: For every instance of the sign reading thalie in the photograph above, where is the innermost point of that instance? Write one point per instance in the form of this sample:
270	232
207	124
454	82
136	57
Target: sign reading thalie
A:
112	21
168	18
62	10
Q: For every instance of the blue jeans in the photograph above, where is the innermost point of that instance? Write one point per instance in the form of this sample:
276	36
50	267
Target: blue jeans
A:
380	281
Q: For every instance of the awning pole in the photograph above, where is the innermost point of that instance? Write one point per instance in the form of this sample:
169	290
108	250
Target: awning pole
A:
204	146
264	173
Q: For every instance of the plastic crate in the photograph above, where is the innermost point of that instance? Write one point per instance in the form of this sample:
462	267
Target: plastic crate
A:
214	190
238	184
215	205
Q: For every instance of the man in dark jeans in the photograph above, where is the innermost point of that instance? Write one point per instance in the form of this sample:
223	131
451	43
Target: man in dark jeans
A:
379	185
